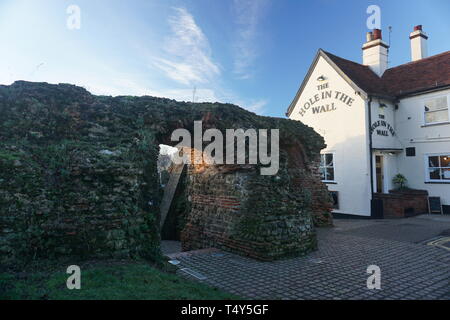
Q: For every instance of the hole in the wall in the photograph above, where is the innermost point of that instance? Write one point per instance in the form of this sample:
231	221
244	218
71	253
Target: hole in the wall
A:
164	163
172	203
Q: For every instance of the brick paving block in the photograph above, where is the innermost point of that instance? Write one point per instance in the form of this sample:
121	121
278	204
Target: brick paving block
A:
337	270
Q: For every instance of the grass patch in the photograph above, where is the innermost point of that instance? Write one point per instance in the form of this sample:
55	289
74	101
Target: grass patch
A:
123	280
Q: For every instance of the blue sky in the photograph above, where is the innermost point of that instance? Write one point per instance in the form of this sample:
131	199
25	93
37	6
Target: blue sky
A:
253	53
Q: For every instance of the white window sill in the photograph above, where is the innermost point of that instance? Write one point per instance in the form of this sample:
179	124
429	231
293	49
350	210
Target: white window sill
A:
435	124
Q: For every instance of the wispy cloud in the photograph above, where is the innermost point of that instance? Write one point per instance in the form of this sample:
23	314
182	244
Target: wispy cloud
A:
257	106
186	59
248	15
187	53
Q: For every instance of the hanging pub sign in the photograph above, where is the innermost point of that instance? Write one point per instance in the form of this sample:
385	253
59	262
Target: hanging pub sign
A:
382	128
316	104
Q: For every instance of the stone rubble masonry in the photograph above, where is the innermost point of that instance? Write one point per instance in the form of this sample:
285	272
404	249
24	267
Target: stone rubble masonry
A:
93	209
262	217
78	177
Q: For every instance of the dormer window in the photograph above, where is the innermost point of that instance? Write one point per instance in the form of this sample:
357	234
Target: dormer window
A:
436	110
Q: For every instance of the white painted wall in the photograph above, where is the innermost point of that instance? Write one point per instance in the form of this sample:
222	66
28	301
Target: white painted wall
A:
426	139
345	132
375	56
419	48
383	125
386	140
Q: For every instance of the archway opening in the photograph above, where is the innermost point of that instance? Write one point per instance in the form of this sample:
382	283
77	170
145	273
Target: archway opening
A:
173	204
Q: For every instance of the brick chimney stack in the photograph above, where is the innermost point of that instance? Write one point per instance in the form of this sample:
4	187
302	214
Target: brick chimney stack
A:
419	48
375	52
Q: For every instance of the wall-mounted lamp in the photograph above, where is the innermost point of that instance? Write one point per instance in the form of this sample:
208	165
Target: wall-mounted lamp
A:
382	105
321	78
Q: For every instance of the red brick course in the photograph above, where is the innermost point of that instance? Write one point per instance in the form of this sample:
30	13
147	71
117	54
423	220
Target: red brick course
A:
401	204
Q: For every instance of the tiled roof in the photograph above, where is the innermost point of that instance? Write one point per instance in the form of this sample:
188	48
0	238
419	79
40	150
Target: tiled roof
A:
421	75
361	75
424	74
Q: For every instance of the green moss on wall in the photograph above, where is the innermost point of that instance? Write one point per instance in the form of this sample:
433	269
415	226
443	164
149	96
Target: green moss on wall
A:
78	172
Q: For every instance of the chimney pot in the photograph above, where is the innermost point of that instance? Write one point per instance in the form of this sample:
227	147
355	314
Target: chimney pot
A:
375	52
376	34
418	40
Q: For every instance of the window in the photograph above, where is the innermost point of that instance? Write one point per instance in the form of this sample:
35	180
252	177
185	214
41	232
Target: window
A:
436	110
327	166
438	167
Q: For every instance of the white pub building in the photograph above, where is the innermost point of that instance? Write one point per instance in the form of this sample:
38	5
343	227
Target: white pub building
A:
378	122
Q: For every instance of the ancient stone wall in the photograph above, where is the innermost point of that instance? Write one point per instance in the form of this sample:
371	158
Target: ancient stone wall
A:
303	171
239	210
66	199
78	176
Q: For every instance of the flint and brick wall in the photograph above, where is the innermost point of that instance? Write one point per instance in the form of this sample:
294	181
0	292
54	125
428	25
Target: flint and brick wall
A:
78	177
263	217
89	205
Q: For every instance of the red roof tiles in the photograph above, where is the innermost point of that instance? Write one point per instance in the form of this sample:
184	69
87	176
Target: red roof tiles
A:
428	73
361	75
420	75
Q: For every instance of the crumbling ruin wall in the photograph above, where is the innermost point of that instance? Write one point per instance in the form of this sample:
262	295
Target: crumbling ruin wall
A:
305	175
249	214
75	179
264	217
78	176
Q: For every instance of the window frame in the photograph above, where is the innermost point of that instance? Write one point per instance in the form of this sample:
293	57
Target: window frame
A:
427	166
424	113
324	153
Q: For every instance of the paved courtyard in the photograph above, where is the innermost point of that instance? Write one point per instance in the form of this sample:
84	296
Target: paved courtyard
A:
411	266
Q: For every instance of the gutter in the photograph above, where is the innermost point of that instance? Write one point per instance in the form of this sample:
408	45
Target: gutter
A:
422	91
369	103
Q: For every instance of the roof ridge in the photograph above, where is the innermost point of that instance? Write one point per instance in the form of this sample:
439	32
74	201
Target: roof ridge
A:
400	65
354	62
431	73
362	65
420	60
